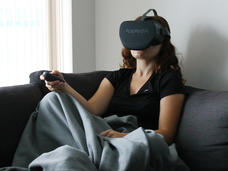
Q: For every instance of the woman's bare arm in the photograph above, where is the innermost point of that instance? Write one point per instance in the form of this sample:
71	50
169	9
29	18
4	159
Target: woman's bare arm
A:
97	104
170	110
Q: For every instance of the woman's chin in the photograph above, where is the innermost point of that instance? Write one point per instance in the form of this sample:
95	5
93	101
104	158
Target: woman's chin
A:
139	54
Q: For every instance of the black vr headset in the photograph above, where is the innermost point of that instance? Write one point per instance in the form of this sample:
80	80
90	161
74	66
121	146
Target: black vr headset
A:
140	34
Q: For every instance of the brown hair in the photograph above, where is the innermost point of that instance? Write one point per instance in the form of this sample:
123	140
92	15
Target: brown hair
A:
165	59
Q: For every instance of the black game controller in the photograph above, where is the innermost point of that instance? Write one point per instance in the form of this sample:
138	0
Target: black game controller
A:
51	77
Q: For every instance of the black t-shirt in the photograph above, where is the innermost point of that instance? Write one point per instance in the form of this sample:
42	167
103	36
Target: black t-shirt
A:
145	104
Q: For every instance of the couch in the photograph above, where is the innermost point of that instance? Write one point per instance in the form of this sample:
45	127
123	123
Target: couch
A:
202	136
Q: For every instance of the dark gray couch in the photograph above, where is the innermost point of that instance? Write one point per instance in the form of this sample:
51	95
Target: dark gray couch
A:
202	138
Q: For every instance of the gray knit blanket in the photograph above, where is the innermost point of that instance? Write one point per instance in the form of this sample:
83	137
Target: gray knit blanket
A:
61	135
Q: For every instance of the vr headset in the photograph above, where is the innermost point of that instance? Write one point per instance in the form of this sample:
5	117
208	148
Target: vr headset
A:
140	34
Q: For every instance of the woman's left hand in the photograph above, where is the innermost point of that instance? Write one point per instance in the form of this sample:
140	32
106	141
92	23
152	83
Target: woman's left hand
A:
112	134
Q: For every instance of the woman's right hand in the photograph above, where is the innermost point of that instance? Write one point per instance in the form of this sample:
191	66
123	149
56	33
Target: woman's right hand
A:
56	85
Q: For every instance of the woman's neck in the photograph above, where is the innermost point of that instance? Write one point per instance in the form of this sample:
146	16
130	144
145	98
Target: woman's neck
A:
143	69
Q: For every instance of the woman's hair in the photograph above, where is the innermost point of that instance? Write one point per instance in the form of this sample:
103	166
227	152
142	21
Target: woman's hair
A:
165	59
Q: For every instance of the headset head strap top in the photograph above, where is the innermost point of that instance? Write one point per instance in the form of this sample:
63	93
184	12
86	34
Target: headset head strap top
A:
145	14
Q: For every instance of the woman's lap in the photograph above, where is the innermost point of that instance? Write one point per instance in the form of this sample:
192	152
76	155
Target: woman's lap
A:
60	122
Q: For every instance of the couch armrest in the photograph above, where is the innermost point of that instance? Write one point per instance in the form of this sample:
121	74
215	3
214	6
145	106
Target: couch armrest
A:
202	137
16	105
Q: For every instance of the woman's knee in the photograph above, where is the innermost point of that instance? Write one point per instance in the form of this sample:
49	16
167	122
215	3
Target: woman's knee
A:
49	105
50	98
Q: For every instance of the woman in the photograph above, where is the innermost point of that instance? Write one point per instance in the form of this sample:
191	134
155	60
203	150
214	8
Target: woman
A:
148	86
121	92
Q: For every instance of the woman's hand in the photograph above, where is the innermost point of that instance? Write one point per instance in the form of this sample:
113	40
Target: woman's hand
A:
56	85
112	134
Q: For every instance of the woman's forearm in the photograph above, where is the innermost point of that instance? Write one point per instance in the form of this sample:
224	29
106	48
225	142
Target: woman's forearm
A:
167	137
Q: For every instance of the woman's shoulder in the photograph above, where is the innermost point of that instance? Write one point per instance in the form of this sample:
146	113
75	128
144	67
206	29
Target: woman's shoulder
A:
124	70
121	72
117	76
170	82
168	73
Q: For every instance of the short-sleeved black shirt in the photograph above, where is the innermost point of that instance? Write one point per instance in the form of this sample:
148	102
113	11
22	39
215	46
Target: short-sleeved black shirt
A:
145	104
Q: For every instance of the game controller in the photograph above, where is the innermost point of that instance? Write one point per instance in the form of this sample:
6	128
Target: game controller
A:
51	77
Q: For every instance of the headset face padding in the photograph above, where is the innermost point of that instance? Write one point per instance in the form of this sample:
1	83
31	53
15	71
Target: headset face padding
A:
139	35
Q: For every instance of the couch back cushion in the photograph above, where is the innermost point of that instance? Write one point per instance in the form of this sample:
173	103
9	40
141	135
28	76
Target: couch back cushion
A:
202	138
16	105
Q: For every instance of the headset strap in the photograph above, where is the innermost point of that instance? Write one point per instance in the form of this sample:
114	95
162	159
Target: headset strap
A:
144	15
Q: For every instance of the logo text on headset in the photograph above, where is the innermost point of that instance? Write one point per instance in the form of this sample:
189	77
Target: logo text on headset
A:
139	31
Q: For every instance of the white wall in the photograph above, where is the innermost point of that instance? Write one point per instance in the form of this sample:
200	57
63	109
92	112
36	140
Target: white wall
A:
83	23
199	30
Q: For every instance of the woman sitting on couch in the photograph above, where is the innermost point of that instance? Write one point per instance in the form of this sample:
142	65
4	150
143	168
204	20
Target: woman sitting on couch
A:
148	86
134	88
